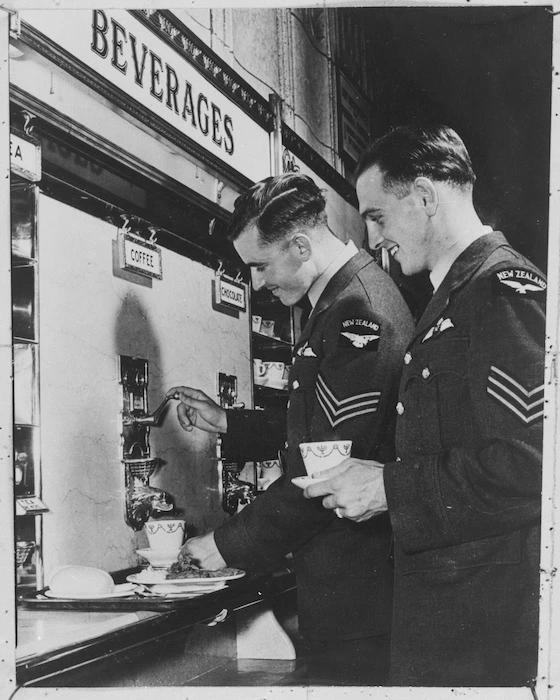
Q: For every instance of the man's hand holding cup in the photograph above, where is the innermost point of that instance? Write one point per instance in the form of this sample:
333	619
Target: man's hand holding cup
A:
353	488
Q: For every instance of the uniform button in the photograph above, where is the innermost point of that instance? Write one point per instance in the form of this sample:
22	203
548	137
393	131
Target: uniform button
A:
426	372
407	358
295	384
400	408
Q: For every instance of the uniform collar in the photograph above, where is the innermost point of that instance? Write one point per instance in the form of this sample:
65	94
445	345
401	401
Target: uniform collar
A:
334	287
461	271
472	258
318	287
444	264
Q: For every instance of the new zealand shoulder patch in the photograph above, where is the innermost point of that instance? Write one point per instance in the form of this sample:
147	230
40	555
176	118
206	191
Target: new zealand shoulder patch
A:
360	333
516	281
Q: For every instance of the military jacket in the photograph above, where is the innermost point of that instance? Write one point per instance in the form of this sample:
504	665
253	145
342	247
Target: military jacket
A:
342	385
464	497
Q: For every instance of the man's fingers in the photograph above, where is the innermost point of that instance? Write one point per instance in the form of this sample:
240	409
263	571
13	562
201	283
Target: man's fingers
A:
321	488
334	471
186	393
183	417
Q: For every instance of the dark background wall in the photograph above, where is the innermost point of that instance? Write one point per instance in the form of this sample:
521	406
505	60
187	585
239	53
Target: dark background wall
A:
486	72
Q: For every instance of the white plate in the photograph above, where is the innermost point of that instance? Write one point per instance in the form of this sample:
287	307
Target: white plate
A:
158	577
182	590
120	591
183	594
304	481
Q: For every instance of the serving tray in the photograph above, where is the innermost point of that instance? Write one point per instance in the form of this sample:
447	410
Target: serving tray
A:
131	603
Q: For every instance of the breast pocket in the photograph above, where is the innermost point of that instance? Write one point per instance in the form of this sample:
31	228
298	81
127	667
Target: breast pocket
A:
436	396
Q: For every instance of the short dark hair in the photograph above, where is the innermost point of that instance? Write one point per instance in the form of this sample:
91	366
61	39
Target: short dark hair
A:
277	206
407	152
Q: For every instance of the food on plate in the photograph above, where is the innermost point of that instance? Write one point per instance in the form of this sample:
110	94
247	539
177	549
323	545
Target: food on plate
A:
185	568
81	580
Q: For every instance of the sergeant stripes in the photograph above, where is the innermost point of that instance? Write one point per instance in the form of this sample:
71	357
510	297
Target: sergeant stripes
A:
526	405
340	410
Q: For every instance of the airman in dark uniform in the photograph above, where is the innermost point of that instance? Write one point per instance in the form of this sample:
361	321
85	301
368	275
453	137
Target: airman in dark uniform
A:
342	386
463	493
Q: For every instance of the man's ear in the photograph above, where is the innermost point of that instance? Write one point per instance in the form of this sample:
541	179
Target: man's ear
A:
427	193
301	245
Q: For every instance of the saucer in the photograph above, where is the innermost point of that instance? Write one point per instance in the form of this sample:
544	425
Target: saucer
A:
158	559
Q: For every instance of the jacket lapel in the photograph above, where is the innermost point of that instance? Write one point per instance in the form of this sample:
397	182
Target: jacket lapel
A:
459	274
339	281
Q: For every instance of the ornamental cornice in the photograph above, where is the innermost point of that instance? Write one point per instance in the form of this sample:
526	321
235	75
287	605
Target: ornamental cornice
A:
209	64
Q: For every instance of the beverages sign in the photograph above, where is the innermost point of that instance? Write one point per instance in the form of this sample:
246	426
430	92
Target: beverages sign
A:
123	50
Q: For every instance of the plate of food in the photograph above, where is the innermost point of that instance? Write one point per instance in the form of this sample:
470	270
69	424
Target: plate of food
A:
184	573
161	578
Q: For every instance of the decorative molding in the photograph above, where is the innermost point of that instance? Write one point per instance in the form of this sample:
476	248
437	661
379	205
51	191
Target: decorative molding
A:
171	30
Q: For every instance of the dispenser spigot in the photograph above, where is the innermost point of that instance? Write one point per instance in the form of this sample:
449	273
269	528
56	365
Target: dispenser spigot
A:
153	418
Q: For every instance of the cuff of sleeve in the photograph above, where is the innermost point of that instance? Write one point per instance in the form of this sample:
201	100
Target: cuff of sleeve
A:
237	548
232	440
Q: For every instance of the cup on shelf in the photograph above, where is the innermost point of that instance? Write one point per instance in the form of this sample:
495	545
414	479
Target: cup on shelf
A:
274	373
268	472
259	371
271	374
267	327
256	323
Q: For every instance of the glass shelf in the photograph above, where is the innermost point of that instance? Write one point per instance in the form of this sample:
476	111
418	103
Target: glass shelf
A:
270	342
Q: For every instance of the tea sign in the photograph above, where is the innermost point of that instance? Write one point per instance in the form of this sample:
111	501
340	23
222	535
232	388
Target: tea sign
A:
25	158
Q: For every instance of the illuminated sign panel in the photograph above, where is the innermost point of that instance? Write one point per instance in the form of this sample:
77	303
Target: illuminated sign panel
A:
121	49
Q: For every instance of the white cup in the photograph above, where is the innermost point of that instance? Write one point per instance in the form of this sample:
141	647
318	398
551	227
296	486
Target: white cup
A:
256	323
267	327
259	370
268	472
274	373
318	456
165	535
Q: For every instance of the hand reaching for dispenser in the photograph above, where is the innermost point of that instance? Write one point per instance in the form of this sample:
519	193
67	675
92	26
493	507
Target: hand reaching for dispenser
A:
196	409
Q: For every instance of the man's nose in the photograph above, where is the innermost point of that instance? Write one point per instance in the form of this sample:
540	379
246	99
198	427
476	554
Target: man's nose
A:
257	279
375	239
